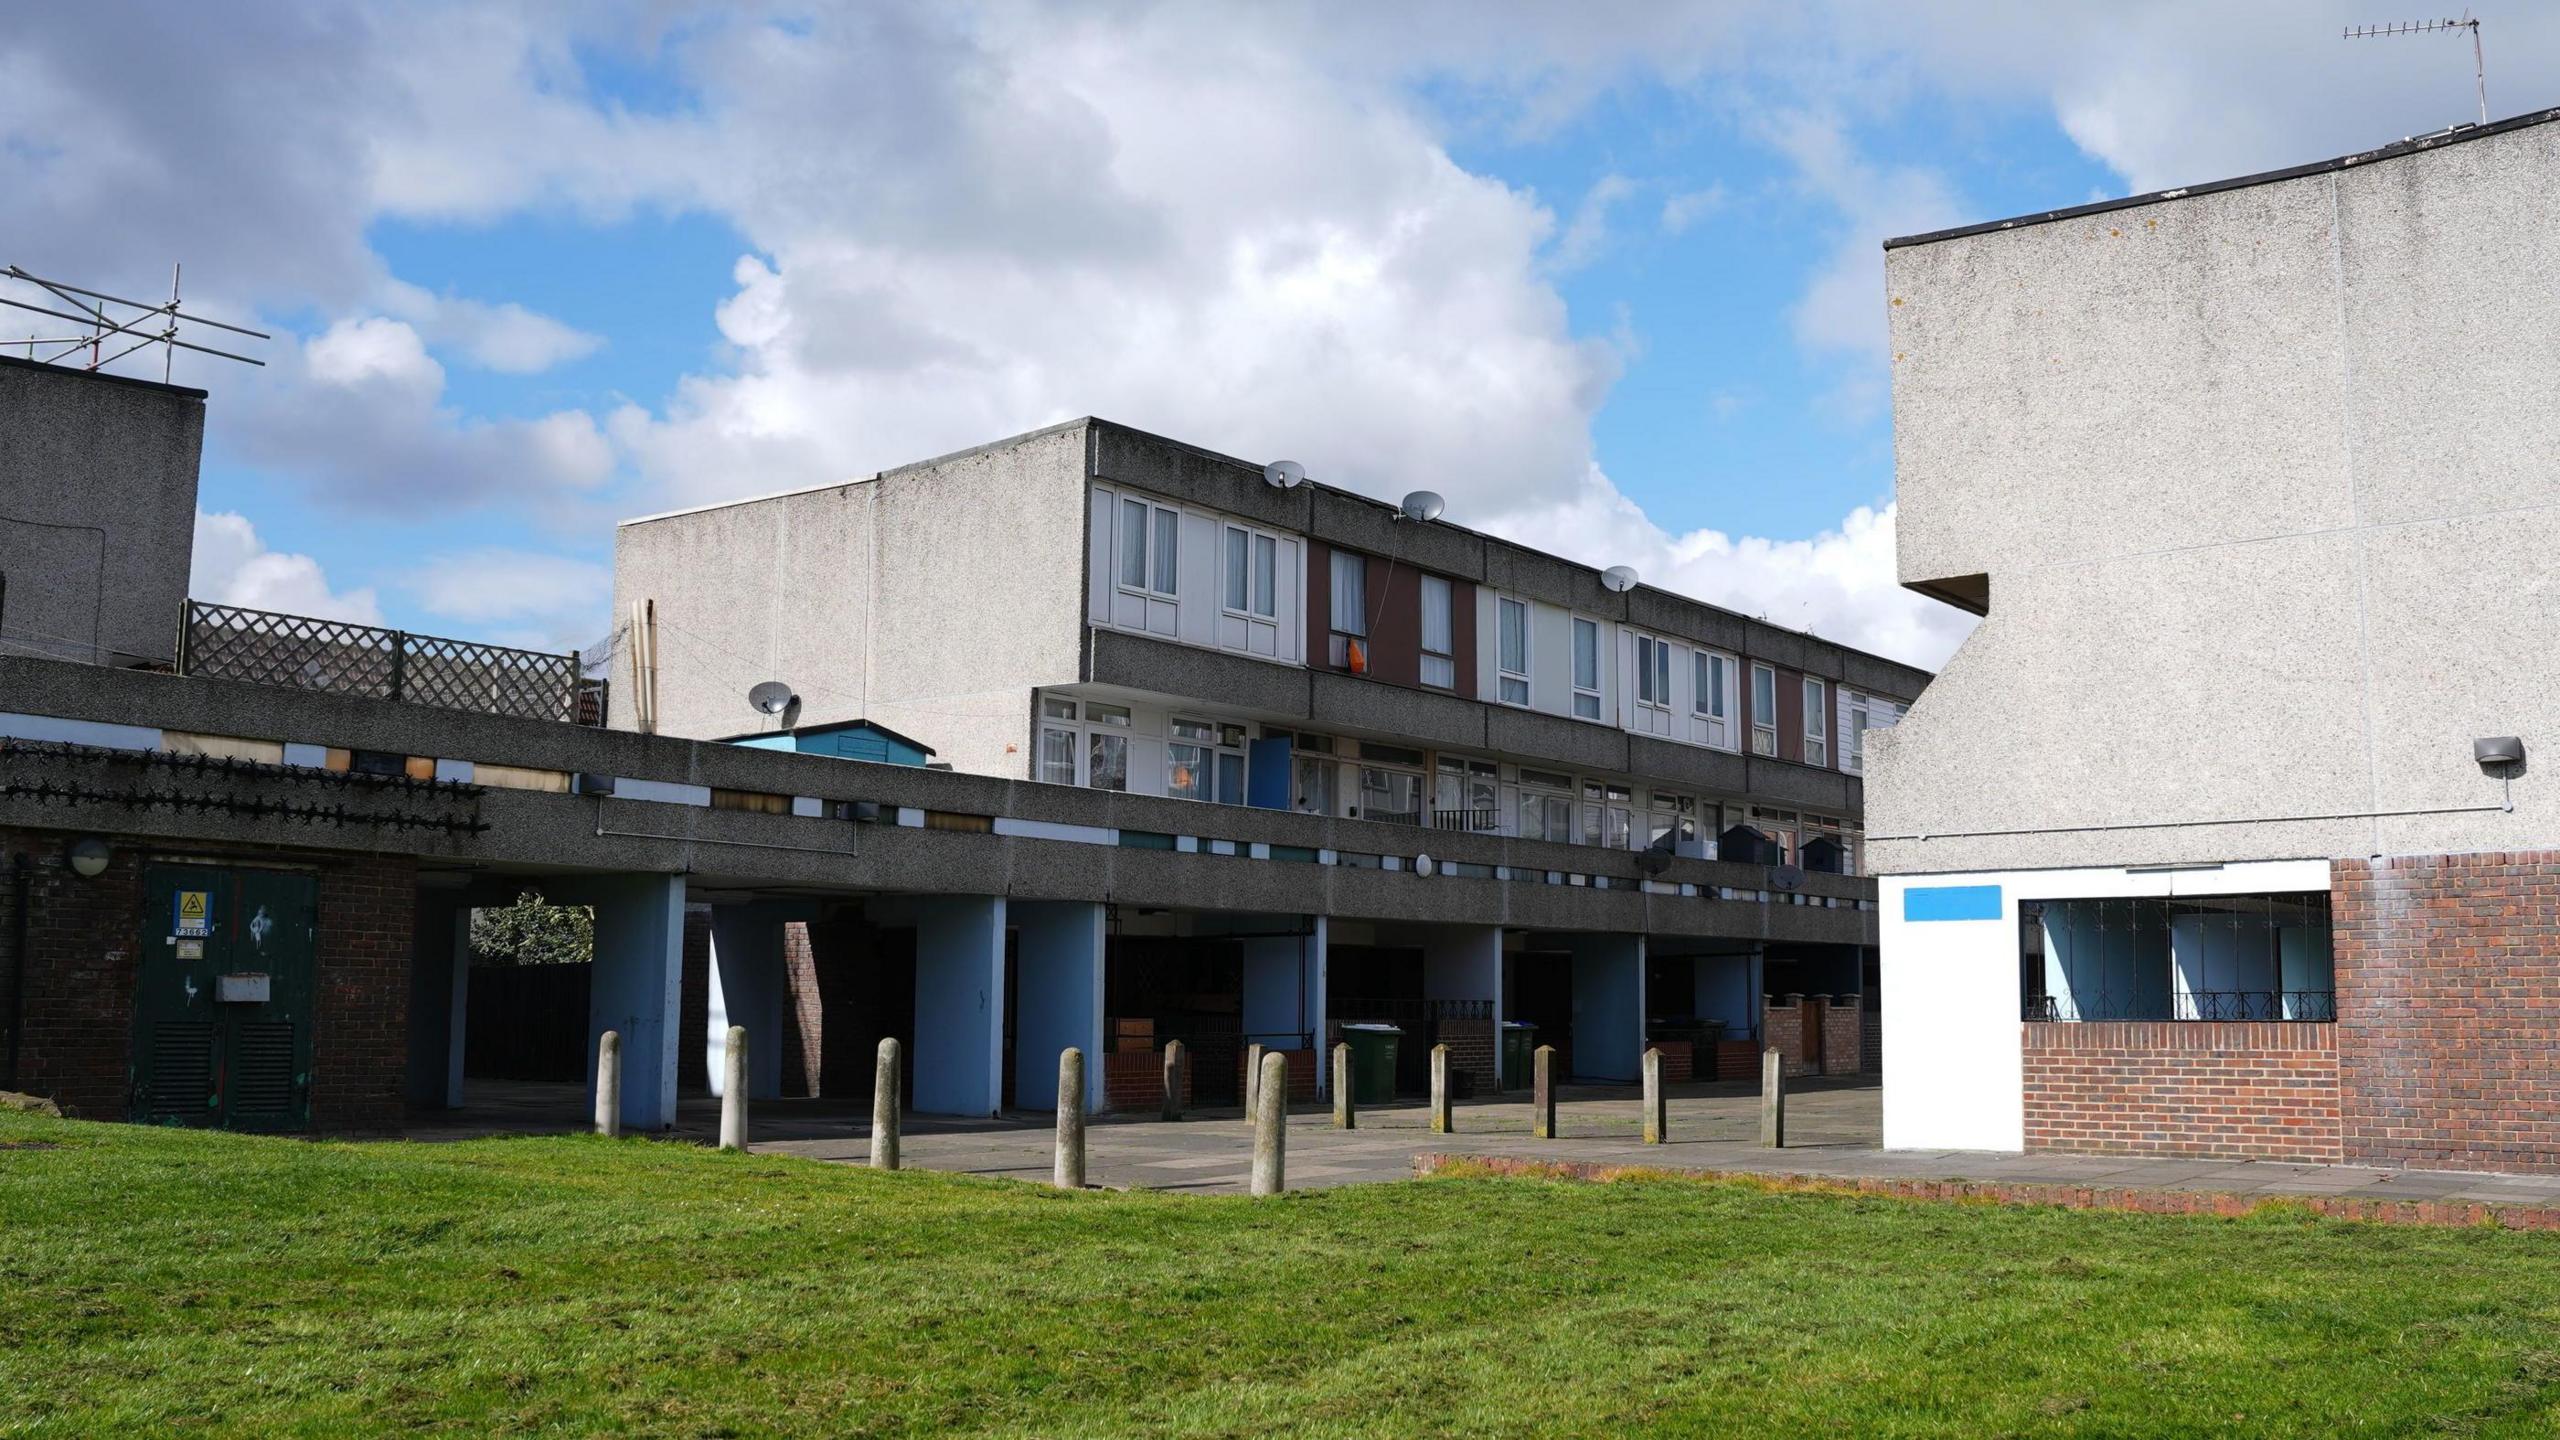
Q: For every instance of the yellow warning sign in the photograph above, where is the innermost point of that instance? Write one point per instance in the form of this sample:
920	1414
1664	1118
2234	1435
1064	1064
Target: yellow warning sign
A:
194	912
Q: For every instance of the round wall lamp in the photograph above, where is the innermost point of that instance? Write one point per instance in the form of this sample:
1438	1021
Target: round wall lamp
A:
88	857
1424	865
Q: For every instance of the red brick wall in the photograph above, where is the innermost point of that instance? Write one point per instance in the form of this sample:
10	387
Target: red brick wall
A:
1302	1074
1843	1035
2449	1008
1782	1030
1133	1084
84	937
2257	1091
804	1012
1679	1060
1471	1049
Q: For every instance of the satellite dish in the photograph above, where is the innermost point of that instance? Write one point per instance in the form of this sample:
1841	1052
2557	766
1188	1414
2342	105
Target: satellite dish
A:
1423	865
1424	505
1656	857
1284	474
1786	877
1619	578
771	697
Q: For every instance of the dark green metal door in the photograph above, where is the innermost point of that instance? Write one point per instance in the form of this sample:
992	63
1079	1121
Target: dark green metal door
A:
222	1016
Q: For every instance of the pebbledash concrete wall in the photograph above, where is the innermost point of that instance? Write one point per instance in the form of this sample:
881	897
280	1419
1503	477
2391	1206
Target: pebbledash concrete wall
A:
94	570
84	941
932	598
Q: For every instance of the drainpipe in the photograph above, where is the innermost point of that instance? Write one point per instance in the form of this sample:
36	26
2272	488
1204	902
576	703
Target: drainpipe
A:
22	869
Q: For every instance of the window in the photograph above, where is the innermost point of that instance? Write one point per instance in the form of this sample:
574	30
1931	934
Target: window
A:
1106	761
1546	806
1186	759
1058	754
1817	725
1653	672
1713	704
1071	754
2189	957
1249	587
1608	815
1764	710
1439	635
1673	815
1394	796
1466	795
1511	619
1350	612
1780	827
1854	758
1586	668
1148	561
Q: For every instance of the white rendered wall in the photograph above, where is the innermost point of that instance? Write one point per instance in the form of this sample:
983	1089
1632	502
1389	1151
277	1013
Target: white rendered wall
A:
1953	1058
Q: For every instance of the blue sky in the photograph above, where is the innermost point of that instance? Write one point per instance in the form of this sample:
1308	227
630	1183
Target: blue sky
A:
1606	276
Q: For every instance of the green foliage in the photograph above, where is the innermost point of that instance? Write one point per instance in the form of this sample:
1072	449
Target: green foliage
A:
162	1281
534	932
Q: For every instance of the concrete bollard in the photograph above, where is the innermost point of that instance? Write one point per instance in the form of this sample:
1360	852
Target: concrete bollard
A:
1344	1118
1252	1082
1271	1127
1441	1123
1175	1057
1068	1174
609	1083
1542	1093
733	1091
885	1106
1773	1099
1657	1116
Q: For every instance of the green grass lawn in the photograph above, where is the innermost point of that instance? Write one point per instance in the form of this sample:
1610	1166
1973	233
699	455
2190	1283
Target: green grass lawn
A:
165	1280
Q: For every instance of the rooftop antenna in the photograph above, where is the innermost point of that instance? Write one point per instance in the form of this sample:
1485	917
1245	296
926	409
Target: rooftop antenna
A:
2470	22
150	324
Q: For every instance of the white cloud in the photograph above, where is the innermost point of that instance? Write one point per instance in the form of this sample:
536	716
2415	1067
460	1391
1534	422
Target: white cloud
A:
505	337
1682	211
538	600
1588	234
232	566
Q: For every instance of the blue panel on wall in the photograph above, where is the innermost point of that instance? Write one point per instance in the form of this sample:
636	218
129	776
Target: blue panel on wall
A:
1951	902
1267	778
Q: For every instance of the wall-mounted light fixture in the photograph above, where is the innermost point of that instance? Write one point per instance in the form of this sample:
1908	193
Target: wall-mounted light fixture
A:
2498	750
88	857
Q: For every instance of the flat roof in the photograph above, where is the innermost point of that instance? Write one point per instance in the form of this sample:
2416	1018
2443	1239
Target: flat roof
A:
2410	146
15	362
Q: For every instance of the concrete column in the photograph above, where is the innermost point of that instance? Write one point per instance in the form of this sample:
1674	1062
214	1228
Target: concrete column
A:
1608	1006
959	1005
1441	1119
750	987
1058	994
1773	1099
609	1084
637	986
734	1089
1175	1058
439	999
1271	1127
1657	1118
1284	1001
886	1111
1542	1093
1343	1116
1068	1171
1253	1081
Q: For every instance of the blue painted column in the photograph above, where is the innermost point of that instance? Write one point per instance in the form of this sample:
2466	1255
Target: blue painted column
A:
748	987
439	999
1284	1000
637	989
959	1049
1608	1007
1058	992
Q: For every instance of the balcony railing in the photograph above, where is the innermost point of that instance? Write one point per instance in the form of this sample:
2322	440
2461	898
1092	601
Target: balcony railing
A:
2199	1006
302	652
1478	820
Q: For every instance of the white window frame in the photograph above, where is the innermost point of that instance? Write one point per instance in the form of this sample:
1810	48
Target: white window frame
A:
1447	657
1854	758
1817	722
1681	809
1602	799
1511	686
1473	781
1261	572
1653	673
1764	719
1159	523
1063	716
1596	708
1716	722
1538	787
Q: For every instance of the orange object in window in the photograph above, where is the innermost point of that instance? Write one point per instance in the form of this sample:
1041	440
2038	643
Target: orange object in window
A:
1357	653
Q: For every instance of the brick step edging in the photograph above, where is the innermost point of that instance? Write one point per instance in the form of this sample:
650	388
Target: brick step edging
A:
2119	1198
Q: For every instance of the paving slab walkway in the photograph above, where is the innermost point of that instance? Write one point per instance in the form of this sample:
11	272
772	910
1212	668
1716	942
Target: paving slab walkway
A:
1834	1132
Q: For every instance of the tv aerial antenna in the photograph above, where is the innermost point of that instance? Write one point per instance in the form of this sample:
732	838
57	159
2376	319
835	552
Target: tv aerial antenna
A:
2470	22
112	319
